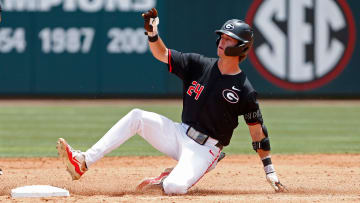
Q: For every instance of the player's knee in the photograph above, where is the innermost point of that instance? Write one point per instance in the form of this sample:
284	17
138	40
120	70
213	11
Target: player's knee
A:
136	113
174	188
135	117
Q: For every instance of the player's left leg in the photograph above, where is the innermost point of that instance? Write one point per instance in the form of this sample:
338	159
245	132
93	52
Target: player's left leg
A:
156	129
156	182
194	162
159	131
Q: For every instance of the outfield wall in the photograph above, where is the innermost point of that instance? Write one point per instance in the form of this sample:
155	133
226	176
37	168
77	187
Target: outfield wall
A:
97	48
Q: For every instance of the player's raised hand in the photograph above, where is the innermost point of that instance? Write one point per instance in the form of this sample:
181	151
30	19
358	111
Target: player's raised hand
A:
151	21
275	183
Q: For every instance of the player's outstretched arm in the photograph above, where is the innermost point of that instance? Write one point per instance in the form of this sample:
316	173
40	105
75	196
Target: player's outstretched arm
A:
261	145
157	46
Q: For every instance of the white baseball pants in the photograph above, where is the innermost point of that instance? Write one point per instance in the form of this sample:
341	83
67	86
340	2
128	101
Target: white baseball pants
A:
170	138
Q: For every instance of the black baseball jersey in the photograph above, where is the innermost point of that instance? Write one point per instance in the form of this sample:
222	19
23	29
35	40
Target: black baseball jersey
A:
212	102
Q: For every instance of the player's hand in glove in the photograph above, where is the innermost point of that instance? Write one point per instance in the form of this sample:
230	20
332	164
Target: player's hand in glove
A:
275	183
151	22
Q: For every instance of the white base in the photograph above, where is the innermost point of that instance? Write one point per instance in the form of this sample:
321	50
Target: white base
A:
39	191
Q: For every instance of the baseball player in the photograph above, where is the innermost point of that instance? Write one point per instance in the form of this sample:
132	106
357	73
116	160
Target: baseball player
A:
216	92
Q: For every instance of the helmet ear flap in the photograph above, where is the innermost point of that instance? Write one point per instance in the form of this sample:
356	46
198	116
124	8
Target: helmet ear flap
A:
240	50
233	51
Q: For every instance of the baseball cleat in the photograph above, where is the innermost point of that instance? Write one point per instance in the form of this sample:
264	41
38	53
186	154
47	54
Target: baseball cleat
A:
73	159
155	181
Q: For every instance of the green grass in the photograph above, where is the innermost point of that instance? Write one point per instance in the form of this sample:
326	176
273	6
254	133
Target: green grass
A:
28	131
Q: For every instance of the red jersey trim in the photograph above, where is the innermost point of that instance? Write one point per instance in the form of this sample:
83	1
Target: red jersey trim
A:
169	61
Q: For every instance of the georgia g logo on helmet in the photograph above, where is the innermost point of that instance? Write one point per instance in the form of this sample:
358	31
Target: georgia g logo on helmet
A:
302	44
229	26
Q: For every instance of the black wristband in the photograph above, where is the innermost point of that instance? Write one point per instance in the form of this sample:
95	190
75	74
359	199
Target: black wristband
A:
153	38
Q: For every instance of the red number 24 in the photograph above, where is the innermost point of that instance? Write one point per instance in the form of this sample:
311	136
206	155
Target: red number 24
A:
197	88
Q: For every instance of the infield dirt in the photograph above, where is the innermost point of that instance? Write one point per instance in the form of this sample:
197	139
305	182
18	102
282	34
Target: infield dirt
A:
237	178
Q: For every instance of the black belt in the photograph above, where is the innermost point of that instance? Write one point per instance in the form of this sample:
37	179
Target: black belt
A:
199	137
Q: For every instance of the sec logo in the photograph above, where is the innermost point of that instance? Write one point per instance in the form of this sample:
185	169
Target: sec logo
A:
303	44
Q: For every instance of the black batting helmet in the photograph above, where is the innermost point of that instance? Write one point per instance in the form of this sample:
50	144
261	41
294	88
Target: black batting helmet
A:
240	31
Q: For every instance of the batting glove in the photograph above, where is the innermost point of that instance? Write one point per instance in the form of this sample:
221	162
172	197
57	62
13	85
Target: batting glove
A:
275	183
151	22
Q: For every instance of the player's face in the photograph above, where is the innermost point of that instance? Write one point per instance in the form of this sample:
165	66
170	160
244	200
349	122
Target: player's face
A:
225	41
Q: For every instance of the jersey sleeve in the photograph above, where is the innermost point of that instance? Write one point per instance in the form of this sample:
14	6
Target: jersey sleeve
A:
252	114
180	63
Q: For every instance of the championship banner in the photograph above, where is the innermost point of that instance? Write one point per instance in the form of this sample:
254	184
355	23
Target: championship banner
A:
74	47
